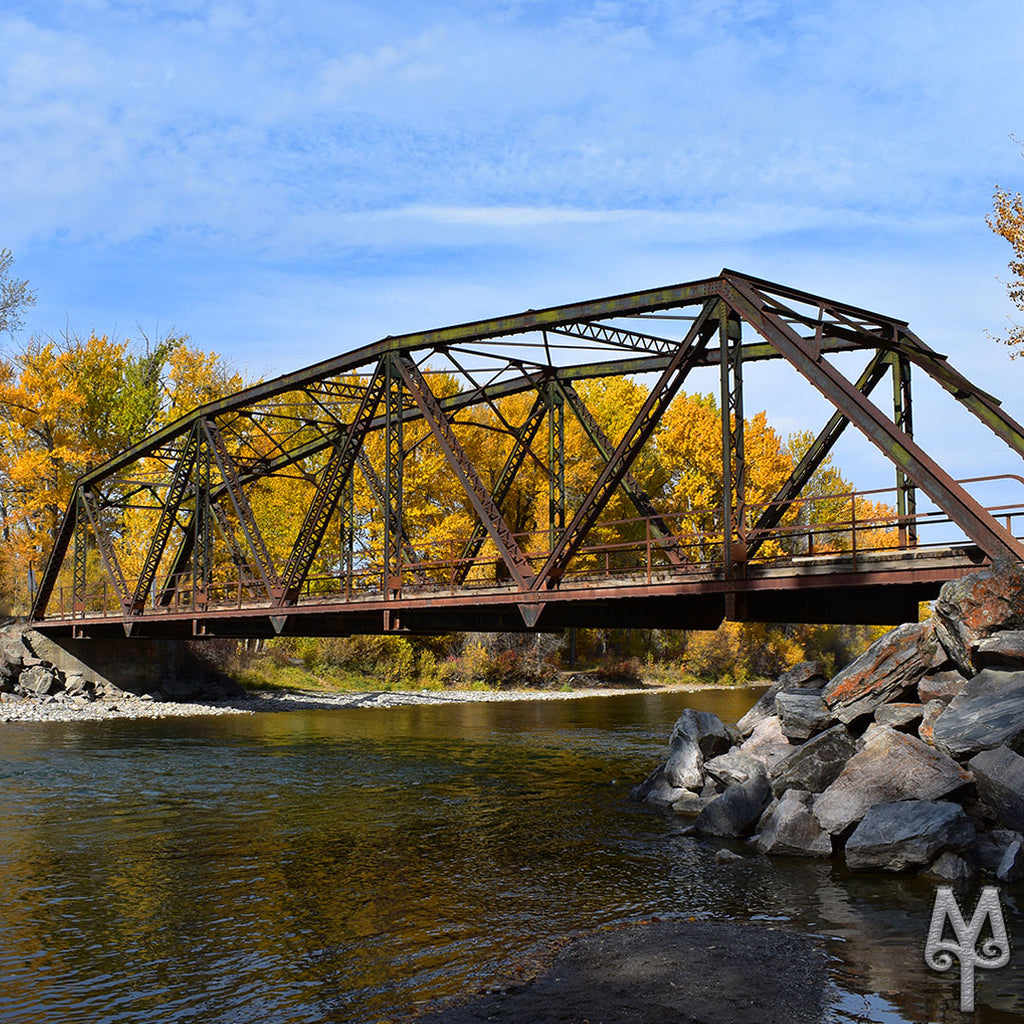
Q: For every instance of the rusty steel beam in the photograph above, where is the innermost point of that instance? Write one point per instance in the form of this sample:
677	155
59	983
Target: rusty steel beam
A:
636	494
107	554
967	513
815	455
483	504
243	510
628	448
503	484
328	490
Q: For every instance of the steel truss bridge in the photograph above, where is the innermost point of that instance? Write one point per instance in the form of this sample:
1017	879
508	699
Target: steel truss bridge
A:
286	508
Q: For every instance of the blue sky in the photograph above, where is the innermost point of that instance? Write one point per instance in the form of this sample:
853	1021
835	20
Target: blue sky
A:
288	180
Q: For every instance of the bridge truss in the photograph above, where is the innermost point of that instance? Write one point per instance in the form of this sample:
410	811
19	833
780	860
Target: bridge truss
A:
193	530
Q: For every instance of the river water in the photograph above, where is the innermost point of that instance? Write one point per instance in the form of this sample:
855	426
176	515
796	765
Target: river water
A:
348	865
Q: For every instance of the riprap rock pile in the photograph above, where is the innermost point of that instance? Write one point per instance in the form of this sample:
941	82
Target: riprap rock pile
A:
909	759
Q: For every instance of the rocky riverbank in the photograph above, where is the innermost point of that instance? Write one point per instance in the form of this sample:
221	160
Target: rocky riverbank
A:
908	759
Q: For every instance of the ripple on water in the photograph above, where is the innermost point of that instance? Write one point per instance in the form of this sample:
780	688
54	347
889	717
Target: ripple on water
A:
339	866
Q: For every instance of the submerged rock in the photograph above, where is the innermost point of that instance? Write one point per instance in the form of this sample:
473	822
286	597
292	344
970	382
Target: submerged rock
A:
890	767
988	712
737	810
907	834
791	829
696	737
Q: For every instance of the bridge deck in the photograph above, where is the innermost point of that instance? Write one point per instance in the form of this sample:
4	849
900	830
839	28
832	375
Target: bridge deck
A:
875	587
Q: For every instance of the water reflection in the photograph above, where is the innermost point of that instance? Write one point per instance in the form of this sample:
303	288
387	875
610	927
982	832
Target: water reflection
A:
340	866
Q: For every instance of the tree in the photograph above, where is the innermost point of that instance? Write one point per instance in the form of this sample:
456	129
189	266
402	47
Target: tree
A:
15	295
1007	221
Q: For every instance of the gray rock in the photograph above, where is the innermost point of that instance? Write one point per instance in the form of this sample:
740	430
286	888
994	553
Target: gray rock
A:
930	715
950	867
988	712
78	686
991	847
802	713
974	607
1005	648
696	737
942	686
689	804
737	810
724	856
890	767
767	743
764	707
999	776
807	675
656	789
816	764
39	680
734	766
908	834
1011	866
903	717
891	664
791	829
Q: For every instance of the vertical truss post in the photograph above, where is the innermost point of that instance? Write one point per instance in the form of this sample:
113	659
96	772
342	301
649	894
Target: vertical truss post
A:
733	464
556	461
80	555
348	531
202	545
394	458
906	494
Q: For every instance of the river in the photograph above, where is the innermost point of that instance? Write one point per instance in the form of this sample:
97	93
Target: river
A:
329	866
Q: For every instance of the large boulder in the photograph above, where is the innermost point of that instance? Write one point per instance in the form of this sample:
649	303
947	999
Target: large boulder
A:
814	765
908	834
890	665
987	712
975	607
942	686
890	767
39	680
735	766
802	713
737	810
696	737
656	789
763	707
999	776
1004	649
791	829
767	743
808	675
902	716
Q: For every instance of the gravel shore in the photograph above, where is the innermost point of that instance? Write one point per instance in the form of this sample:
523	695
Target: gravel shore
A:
62	707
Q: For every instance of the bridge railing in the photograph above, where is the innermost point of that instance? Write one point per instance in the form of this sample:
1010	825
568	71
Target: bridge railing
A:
851	528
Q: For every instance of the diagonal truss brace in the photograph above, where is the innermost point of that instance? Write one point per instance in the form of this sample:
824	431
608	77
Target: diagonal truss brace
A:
636	494
815	455
480	499
967	513
107	554
179	485
328	491
516	457
243	510
636	436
